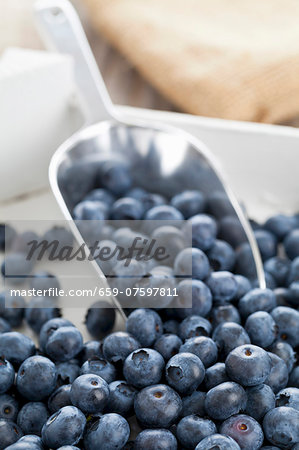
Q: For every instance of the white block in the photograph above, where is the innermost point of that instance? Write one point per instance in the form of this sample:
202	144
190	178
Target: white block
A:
37	113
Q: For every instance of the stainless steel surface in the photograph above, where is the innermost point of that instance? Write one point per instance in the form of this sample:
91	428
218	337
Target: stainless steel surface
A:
163	159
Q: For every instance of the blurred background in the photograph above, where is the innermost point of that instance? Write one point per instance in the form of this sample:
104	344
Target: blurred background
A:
228	59
233	59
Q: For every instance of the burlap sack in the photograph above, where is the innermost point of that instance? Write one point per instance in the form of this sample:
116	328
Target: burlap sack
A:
235	59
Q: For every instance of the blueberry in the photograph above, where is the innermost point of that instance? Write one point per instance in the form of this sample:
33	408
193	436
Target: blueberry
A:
9	433
60	236
288	397
125	236
64	427
257	300
16	268
229	335
294	377
245	430
20	244
194	404
204	229
13	308
148	199
9	407
248	365
143	367
221	256
100	195
151	200
124	277
91	349
158	278
48	329
15	347
287	320
185	372
4	326
77	180
173	241
36	378
100	367
194	326
267	243
67	372
245	264
189	203
149	439
7	375
231	231
40	311
163	212
59	398
192	261
269	279
282	295
110	431
137	192
223	286
168	345
32	417
114	176
194	298
28	442
217	441
100	319
261	328
281	426
291	244
64	343
145	325
90	210
203	347
192	429
7	235
278	377
219	204
280	225
157	406
90	393
284	351
95	229
294	293
260	399
121	398
243	284
127	208
224	400
278	268
225	313
215	375
117	346
294	271
105	231
171	326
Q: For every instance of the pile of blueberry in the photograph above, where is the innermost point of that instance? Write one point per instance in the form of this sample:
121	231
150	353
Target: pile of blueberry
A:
221	375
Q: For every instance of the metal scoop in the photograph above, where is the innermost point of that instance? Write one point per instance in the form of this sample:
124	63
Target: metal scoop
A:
162	158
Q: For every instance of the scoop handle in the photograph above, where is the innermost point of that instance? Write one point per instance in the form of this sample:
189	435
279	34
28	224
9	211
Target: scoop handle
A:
61	30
